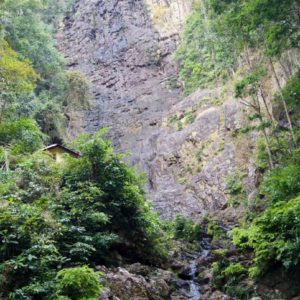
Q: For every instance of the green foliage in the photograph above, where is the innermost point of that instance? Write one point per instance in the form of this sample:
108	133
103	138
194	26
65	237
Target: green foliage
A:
54	11
218	276
154	55
76	90
80	212
78	283
282	183
261	155
179	122
21	136
16	74
234	270
186	229
291	91
189	118
34	83
235	184
122	195
235	188
17	79
266	24
27	34
273	236
250	84
28	251
173	120
291	94
228	276
215	230
204	55
217	32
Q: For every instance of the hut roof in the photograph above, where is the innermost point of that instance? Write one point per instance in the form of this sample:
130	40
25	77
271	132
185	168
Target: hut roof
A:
65	149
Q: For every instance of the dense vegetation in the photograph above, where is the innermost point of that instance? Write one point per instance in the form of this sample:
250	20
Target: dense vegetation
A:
218	34
274	234
248	42
58	220
34	81
86	211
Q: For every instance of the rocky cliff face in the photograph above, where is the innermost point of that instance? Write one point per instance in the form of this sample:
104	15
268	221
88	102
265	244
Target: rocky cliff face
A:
128	63
185	145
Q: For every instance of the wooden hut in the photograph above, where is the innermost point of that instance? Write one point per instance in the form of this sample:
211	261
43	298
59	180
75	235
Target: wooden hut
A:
57	151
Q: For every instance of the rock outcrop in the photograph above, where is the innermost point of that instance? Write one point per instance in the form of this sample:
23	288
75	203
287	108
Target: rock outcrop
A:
139	282
185	146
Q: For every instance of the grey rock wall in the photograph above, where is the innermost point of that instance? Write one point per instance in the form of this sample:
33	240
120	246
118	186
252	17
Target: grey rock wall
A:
127	56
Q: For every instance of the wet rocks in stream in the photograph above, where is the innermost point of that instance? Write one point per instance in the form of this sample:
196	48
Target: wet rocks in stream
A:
140	282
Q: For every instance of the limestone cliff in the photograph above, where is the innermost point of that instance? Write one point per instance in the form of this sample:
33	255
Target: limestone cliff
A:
184	145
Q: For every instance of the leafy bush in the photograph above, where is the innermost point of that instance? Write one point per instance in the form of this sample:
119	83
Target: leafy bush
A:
226	272
228	276
218	276
29	254
18	79
235	184
22	136
215	230
291	94
273	236
282	183
291	91
234	270
120	196
261	155
186	229
78	283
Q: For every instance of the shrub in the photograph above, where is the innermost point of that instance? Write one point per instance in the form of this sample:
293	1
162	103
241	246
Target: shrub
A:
78	283
273	236
235	184
234	270
119	194
215	230
186	229
282	183
218	276
228	277
291	92
22	135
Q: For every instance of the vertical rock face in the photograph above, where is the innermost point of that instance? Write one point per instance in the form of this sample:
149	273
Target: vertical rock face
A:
124	47
168	16
127	61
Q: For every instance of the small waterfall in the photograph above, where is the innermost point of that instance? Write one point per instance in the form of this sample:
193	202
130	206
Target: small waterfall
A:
194	293
194	286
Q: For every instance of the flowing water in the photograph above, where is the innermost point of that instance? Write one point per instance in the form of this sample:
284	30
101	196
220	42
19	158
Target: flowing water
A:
194	286
194	293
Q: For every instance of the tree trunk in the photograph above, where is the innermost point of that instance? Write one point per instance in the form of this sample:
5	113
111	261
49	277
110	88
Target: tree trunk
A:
283	102
267	141
256	106
270	114
271	163
248	55
6	160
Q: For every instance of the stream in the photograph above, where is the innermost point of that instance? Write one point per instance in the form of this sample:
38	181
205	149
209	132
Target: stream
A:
194	292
